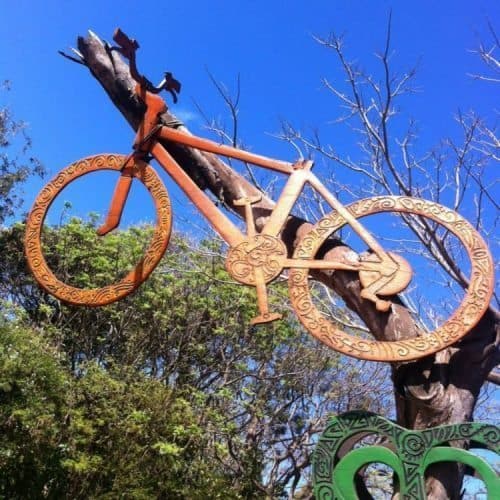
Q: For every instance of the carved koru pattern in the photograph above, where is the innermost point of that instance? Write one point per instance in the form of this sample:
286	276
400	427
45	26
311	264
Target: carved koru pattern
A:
408	453
467	314
153	254
263	252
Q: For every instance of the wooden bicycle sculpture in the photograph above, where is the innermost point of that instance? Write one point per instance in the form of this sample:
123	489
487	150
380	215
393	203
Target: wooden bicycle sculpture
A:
257	258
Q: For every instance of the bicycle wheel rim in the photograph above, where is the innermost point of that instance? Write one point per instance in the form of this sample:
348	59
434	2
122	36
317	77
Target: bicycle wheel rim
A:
464	318
129	283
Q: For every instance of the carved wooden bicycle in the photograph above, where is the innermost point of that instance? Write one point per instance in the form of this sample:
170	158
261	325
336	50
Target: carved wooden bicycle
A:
254	258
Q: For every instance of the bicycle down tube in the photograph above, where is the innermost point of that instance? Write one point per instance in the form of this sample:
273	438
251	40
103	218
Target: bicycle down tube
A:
203	203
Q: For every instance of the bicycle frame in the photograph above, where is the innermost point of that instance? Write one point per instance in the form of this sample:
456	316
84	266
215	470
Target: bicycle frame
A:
257	258
299	175
151	131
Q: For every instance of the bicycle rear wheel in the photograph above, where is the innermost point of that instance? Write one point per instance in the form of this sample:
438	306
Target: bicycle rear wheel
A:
132	280
466	315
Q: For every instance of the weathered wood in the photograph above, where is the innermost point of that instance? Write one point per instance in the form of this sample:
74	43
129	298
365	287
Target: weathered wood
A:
437	390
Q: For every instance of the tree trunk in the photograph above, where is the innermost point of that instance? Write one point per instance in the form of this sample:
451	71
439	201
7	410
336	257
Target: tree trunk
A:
436	390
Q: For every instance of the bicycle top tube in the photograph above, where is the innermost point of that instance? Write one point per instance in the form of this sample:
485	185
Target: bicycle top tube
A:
278	217
174	135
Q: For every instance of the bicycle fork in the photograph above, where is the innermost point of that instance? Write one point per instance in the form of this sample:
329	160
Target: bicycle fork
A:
119	197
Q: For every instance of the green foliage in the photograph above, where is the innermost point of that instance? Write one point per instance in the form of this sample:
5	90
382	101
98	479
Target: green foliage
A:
168	393
106	433
15	163
32	412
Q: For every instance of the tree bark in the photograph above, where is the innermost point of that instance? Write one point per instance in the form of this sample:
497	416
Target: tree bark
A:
436	390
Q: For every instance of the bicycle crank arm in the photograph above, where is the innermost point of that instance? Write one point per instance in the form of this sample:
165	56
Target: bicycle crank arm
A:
265	315
117	204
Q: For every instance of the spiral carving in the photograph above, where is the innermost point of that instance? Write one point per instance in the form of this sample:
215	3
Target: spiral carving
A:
260	252
407	452
413	445
467	314
157	246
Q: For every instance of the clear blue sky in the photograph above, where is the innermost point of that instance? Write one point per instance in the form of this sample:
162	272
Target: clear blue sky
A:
268	42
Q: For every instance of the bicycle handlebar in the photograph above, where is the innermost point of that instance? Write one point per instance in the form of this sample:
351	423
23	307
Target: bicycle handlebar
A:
128	47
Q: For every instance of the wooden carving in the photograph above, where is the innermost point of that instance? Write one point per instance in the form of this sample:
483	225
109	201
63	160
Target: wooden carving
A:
337	460
448	333
158	244
257	258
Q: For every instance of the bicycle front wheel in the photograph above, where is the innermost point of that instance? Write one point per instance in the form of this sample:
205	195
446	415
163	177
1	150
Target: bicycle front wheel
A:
123	286
465	316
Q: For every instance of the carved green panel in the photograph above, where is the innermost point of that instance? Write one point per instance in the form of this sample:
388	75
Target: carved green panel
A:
408	453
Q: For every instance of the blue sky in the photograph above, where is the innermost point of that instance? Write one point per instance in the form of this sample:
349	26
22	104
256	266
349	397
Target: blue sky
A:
269	43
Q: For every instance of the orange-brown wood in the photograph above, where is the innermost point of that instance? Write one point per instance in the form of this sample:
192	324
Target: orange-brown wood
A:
153	253
193	141
118	200
254	258
217	219
468	313
155	106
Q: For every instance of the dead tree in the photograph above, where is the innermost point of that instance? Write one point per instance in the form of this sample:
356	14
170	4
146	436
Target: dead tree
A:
439	389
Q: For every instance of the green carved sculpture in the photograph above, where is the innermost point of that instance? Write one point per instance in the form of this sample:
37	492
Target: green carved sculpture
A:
407	452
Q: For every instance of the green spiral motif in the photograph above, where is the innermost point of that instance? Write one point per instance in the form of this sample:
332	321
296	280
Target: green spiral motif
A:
408	453
413	446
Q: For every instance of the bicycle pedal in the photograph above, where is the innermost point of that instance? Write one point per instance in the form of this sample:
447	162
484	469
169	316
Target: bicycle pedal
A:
265	318
380	304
